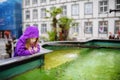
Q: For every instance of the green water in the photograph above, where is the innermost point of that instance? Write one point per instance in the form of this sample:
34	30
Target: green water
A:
77	64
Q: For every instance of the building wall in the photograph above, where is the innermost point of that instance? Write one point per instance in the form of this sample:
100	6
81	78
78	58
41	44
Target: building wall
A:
95	17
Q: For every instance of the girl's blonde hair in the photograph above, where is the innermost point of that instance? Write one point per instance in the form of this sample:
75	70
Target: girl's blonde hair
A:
28	45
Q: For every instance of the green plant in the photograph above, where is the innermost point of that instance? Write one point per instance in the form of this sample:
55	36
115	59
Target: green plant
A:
53	14
64	24
51	35
43	38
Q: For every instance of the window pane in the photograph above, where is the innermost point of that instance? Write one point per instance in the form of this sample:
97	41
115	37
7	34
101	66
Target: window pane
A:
105	2
52	0
36	25
88	27
103	6
103	27
118	6
43	1
106	23
27	2
35	14
118	1
117	26
88	8
64	9
76	28
75	10
43	28
43	12
34	1
27	14
101	3
105	9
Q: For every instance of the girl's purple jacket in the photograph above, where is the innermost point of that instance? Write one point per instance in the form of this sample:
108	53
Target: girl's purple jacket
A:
30	32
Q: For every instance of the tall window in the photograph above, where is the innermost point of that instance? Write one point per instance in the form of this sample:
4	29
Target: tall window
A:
75	28
117	4
88	8
27	2
103	27
27	14
43	12
64	10
35	14
103	6
117	26
75	10
42	1
43	28
88	27
34	1
36	25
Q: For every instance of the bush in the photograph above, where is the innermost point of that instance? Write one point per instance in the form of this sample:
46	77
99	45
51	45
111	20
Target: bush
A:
51	35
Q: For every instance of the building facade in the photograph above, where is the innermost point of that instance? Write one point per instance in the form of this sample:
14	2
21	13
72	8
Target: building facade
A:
92	17
11	18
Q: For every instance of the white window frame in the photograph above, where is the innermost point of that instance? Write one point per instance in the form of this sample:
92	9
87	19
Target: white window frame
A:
52	0
43	12
27	2
27	14
75	9
117	4
103	6
103	27
88	8
34	1
64	10
42	1
88	27
43	28
117	26
35	14
36	25
75	28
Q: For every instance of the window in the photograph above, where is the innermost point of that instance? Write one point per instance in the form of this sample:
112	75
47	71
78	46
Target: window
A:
117	4
103	6
43	28
64	10
76	28
36	25
52	0
117	26
43	12
88	27
27	14
27	2
103	27
75	10
35	14
88	8
42	1
34	1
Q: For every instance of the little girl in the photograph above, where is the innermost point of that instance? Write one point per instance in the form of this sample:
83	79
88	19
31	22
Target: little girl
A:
28	42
